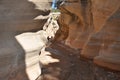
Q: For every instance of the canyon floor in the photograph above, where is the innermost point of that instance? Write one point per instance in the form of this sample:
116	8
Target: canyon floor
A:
59	62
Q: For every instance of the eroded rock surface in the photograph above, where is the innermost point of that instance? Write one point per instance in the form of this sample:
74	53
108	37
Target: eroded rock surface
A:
92	25
109	55
76	16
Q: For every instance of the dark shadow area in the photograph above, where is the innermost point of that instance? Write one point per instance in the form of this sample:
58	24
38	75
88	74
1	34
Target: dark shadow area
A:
69	67
12	59
19	15
72	67
16	16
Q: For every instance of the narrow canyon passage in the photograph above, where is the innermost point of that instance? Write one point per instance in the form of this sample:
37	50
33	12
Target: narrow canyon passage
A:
72	40
71	66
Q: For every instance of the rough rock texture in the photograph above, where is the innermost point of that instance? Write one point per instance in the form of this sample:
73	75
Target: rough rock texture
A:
17	16
93	26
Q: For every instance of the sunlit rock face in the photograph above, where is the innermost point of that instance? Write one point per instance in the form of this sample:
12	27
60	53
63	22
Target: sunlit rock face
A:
17	16
93	26
41	4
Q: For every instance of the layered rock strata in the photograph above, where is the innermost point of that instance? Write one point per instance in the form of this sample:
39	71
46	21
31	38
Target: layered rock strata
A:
75	16
109	55
92	25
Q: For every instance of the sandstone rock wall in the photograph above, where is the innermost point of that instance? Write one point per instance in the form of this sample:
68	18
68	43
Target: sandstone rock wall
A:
77	17
17	16
92	25
109	54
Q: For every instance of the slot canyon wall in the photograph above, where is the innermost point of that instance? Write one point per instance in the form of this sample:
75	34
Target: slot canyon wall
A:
93	26
90	25
18	16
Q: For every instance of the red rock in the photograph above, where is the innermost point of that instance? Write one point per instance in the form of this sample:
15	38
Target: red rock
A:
109	56
92	47
92	24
